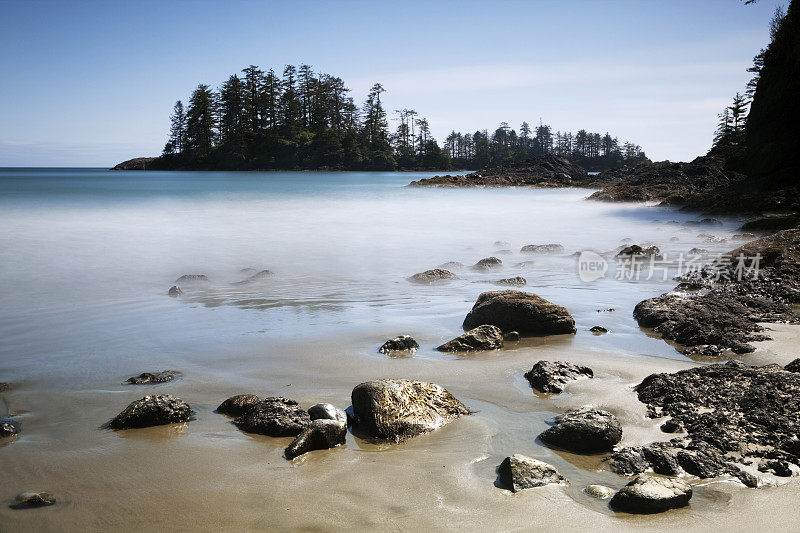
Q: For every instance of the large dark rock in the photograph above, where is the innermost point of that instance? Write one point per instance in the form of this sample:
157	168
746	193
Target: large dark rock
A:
540	171
9	427
519	311
542	249
519	472
154	410
398	409
436	275
147	378
584	430
552	376
274	417
652	494
320	434
238	405
401	343
480	338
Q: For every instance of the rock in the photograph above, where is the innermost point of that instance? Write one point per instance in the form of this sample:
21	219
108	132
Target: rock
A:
504	252
628	461
401	343
518	281
774	223
600	492
174	291
9	427
153	410
481	338
598	330
320	434
436	275
527	265
662	460
399	409
794	366
542	249
547	376
488	263
609	310
137	163
651	494
28	500
501	244
703	463
327	411
192	278
511	336
274	417
519	472
698	251
779	468
638	251
744	237
584	430
146	378
674	239
4	386
671	426
236	406
259	276
451	265
519	311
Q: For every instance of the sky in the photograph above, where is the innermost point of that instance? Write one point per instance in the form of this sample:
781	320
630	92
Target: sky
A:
93	83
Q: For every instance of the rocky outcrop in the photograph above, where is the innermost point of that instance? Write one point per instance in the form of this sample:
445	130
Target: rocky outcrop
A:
519	311
480	338
9	427
399	409
154	410
401	343
519	472
773	223
29	500
652	494
488	263
542	249
540	171
517	281
320	434
238	405
436	275
148	378
552	376
137	163
274	417
584	430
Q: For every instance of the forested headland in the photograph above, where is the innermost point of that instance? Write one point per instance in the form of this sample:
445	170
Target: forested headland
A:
307	120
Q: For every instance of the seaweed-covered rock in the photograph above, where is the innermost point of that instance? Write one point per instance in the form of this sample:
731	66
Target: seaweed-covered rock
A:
238	405
552	376
320	434
147	378
652	494
436	275
481	338
584	430
274	417
153	410
488	263
401	343
542	249
519	311
398	409
519	472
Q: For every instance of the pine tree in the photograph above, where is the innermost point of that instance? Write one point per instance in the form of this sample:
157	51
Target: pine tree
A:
201	122
177	130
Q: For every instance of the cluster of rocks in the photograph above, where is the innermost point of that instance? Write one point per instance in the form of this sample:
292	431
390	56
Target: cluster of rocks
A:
635	250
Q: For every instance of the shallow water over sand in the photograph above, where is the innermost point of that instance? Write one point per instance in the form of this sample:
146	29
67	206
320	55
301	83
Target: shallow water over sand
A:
87	256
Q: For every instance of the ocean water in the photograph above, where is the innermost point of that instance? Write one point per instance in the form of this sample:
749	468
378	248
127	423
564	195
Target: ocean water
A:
87	257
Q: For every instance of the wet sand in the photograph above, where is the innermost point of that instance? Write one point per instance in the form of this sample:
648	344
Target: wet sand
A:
207	475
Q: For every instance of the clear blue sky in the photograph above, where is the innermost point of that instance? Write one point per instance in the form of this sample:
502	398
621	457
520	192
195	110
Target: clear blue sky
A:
93	83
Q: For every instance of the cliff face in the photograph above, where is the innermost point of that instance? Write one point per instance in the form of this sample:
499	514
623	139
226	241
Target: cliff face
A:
772	127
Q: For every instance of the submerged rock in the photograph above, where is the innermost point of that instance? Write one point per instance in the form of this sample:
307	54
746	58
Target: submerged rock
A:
652	494
320	434
238	405
4	386
639	251
28	500
480	338
519	311
401	343
327	411
511	336
542	249
451	265
519	472
552	376
259	276
601	492
153	410
488	263
436	275
146	378
598	330
192	278
174	291
9	427
584	430
398	409
517	281
274	417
